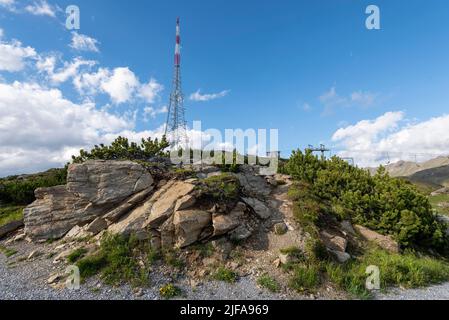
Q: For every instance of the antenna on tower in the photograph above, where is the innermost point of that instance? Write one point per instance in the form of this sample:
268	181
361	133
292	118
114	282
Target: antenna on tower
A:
176	128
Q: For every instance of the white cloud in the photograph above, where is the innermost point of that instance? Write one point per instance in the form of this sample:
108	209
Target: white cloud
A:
197	96
68	71
391	137
8	5
39	128
13	55
2	33
90	83
150	91
121	84
41	8
82	42
151	113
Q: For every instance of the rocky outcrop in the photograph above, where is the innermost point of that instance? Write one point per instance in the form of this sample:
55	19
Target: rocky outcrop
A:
105	182
118	197
166	202
93	189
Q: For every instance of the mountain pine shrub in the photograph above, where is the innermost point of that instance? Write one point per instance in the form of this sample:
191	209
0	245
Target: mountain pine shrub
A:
387	205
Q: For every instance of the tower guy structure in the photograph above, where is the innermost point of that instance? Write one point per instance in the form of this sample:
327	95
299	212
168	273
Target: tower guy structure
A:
176	128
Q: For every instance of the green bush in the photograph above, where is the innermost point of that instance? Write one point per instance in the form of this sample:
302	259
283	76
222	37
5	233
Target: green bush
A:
122	149
224	187
387	205
19	190
91	265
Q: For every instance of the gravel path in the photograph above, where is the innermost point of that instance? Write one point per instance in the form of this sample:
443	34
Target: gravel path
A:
27	280
440	292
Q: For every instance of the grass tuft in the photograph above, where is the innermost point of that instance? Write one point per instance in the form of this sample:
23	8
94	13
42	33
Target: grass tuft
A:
267	282
8	252
225	275
305	278
76	255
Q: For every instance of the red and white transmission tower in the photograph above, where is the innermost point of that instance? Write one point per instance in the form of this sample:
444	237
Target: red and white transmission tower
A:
176	128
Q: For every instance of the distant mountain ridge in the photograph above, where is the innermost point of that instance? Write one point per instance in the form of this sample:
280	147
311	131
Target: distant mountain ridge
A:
409	168
433	173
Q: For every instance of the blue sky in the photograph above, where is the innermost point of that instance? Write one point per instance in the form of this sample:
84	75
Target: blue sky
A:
308	68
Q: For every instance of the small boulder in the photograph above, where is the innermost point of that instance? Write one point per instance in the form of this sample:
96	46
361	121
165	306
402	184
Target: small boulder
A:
286	258
280	228
223	223
189	225
333	241
261	210
341	257
382	241
240	233
347	227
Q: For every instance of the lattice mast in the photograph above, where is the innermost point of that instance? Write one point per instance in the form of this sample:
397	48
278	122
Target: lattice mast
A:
176	128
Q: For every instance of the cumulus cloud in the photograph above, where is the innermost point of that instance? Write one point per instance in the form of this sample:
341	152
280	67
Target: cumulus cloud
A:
151	113
41	8
150	91
392	137
69	70
82	42
197	96
13	55
121	84
40	128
